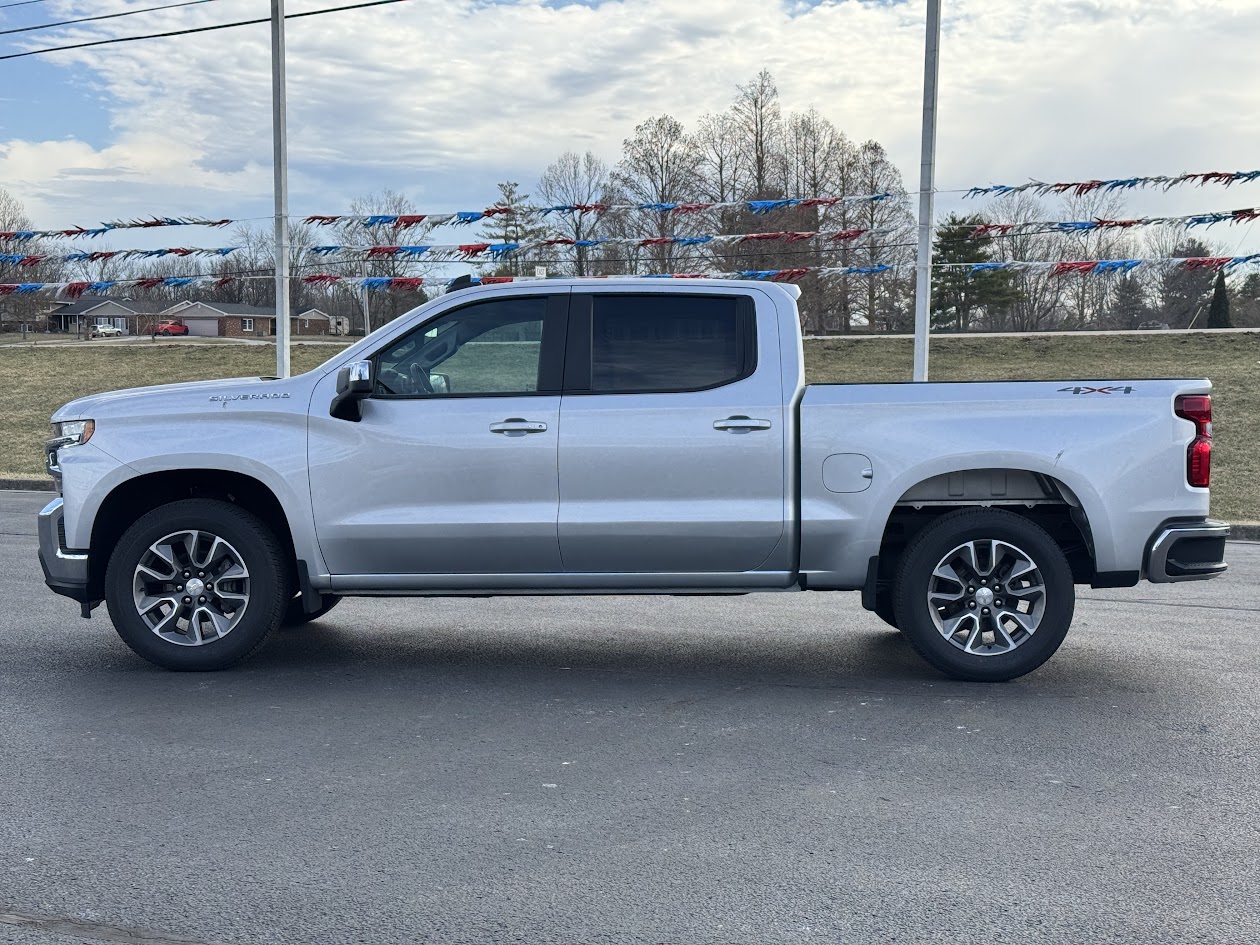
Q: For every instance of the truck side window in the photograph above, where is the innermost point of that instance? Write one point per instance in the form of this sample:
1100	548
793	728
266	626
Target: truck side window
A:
656	343
491	347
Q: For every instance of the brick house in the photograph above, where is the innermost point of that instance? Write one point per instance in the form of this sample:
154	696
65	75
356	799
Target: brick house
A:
232	320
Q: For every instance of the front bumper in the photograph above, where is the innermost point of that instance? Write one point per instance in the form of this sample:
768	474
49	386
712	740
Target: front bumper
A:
65	571
1187	551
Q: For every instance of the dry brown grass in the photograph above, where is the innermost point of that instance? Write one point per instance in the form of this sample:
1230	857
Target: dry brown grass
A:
40	379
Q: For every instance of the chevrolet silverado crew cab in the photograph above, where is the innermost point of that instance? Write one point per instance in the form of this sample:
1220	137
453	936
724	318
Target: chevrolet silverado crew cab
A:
622	436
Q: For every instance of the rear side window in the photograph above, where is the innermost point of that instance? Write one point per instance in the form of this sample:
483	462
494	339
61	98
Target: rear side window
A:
670	343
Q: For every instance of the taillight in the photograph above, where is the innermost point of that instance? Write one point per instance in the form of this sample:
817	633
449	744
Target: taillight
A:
1197	408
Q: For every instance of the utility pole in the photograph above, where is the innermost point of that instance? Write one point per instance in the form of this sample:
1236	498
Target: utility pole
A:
927	182
280	162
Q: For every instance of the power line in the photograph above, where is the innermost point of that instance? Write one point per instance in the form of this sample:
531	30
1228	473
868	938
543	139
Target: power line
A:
197	29
20	3
103	16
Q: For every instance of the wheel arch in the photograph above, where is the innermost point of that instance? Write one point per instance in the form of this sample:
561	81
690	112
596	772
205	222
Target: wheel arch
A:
134	497
1046	498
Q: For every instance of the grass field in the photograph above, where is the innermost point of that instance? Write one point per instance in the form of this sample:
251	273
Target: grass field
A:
42	378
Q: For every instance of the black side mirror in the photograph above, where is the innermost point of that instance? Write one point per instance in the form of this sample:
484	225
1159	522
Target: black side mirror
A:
354	383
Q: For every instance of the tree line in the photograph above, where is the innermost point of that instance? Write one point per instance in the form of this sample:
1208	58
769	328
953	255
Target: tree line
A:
753	150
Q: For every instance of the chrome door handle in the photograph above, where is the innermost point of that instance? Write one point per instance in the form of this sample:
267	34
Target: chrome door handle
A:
741	424
518	426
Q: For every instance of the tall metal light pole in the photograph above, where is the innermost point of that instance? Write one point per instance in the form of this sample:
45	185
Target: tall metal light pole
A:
927	181
280	161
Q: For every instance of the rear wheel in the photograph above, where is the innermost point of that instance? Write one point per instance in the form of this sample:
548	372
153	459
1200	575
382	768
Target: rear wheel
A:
196	584
984	595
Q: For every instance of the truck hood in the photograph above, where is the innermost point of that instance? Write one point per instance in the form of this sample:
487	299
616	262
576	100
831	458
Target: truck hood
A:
162	398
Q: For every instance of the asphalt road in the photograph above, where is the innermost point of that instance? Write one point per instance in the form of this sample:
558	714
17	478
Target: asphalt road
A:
775	768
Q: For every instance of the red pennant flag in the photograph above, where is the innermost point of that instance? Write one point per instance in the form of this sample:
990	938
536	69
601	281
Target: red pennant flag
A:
788	275
321	221
1215	263
468	250
76	289
845	235
406	282
1078	267
407	221
376	252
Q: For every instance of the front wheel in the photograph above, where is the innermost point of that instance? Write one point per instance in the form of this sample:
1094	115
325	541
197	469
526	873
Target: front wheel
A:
984	595
196	584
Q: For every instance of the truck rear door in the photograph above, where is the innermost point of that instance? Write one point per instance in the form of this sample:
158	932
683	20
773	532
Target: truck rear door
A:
672	433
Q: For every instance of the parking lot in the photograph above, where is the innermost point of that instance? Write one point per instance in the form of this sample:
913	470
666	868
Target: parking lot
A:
764	769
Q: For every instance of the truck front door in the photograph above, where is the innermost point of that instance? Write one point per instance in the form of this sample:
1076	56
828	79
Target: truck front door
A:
452	468
672	433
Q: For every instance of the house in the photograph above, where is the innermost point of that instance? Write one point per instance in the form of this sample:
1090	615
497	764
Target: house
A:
233	320
77	317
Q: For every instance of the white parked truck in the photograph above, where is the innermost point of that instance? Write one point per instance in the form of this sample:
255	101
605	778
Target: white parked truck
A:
622	436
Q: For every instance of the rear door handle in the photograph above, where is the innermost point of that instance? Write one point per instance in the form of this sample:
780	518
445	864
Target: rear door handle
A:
741	424
518	426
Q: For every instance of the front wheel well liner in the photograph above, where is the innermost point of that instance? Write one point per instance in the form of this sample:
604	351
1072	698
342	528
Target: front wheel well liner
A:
133	498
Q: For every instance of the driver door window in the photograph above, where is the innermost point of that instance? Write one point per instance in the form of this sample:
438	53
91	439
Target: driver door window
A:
484	349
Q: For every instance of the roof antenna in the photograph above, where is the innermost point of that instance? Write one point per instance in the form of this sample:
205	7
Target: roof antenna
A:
459	282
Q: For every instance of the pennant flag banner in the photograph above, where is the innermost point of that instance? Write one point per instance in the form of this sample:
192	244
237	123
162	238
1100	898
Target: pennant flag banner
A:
411	283
1108	266
29	259
1082	187
461	218
465	251
761	275
21	236
1189	221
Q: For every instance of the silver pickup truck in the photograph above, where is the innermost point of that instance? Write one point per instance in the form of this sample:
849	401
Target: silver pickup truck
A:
622	436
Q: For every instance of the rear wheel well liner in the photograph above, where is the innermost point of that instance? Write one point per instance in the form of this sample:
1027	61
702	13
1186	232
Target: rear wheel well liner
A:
1056	509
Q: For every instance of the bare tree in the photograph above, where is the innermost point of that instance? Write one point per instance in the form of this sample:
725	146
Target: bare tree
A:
760	120
380	307
572	180
659	164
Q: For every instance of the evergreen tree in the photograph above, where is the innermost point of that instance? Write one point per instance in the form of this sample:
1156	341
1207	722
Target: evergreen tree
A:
515	227
957	296
1129	307
1218	311
1182	292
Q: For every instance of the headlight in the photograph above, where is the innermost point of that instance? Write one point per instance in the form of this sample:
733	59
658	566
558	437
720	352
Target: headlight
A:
74	432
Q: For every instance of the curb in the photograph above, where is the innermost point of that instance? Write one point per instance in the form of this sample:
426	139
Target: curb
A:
28	485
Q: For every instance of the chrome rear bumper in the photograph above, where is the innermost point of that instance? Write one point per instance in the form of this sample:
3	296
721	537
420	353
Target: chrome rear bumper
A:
1187	551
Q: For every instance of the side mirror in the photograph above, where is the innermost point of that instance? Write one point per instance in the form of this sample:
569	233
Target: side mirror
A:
440	383
354	383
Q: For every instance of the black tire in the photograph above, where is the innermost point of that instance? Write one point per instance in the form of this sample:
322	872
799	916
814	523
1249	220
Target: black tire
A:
295	615
261	554
915	616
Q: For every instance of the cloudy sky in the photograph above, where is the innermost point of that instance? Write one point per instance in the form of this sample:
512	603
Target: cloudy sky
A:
440	99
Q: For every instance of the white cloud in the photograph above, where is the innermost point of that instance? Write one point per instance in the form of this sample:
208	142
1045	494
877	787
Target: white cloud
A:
440	100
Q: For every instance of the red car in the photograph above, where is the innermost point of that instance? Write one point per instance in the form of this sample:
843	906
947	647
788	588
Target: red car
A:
171	328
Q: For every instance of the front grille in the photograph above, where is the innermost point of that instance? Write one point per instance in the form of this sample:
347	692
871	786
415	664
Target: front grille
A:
61	533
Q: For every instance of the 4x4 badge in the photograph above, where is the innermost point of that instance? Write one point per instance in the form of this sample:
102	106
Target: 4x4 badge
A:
1096	390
